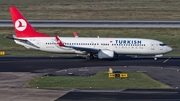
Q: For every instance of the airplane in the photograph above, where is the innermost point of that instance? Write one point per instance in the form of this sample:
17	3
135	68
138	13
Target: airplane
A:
102	48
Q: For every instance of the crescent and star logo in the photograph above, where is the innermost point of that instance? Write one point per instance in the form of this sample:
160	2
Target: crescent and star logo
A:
20	24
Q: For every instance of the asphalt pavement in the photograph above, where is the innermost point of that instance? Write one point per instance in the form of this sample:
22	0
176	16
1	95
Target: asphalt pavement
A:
97	23
15	71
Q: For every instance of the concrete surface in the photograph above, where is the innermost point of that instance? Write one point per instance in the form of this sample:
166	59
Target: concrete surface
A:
12	88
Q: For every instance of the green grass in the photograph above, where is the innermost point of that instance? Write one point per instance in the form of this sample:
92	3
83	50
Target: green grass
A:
31	52
94	9
98	81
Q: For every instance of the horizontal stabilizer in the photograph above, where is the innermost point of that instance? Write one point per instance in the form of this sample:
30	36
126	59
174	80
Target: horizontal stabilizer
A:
9	37
22	40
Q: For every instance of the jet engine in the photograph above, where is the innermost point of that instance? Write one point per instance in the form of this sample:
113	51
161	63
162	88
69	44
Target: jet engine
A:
106	54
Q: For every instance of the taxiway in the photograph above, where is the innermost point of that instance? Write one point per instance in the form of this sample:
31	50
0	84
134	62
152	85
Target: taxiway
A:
15	71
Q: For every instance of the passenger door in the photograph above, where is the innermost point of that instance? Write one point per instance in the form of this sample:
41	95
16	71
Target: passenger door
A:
152	46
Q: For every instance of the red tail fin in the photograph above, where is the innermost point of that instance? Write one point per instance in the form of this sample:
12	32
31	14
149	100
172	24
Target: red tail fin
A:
22	26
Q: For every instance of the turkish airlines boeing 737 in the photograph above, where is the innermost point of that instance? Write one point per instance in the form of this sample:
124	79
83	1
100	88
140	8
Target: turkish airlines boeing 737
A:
103	48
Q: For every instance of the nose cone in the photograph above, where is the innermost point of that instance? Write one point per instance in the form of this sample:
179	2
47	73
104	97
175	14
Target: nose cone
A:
169	49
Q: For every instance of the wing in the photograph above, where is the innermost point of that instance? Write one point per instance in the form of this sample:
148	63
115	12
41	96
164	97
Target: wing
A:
89	50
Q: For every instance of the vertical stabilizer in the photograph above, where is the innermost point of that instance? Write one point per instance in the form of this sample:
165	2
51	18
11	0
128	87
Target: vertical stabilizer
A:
22	27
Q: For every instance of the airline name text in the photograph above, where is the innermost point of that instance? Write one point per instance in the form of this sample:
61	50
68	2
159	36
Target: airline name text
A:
128	42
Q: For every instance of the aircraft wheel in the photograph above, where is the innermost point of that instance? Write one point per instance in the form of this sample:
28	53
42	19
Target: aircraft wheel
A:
88	57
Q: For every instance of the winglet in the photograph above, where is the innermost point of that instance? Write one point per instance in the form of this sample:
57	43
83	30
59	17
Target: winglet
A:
75	35
59	41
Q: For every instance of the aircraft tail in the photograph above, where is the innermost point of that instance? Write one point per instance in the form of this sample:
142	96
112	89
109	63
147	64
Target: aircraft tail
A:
22	27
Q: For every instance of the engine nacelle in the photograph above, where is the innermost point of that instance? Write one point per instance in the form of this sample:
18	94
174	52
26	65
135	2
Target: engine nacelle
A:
105	54
160	55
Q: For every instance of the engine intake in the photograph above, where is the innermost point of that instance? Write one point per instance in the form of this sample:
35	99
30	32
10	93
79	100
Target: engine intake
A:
105	54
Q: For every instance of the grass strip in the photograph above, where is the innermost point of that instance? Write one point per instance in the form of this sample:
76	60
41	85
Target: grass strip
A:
98	81
94	9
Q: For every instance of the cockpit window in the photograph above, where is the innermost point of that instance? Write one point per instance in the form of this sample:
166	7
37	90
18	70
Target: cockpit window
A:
163	44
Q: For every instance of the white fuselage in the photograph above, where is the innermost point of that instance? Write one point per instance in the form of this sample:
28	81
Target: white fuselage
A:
126	46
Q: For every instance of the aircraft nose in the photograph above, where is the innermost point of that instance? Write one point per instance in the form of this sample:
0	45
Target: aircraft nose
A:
169	49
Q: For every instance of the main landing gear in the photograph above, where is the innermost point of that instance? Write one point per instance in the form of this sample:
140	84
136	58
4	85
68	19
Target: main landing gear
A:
89	56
